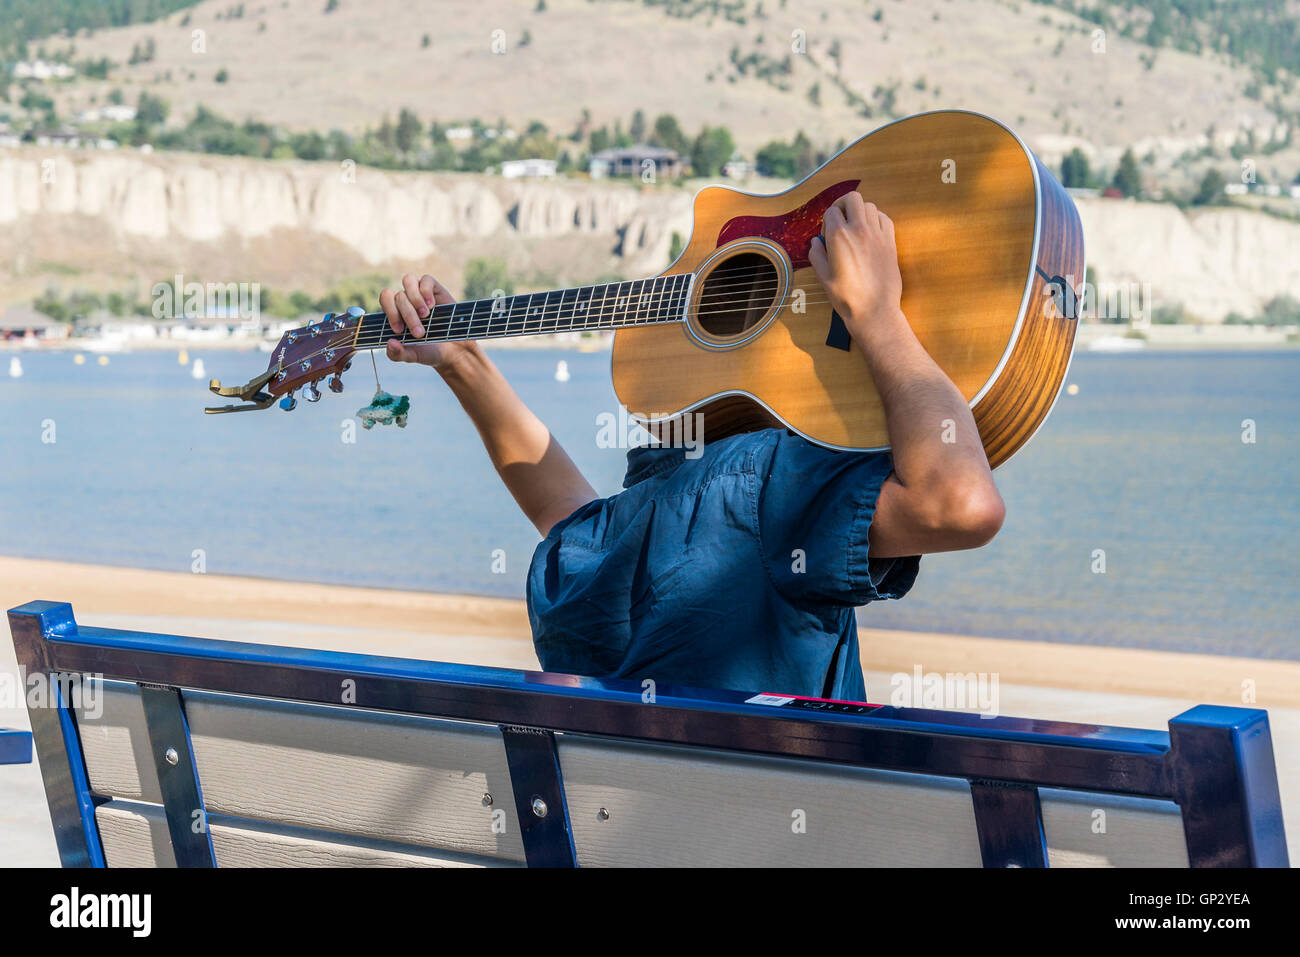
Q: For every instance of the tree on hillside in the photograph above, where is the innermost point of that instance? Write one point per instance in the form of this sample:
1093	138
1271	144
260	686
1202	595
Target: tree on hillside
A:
711	150
150	111
483	277
1281	310
1128	179
776	159
1075	172
408	130
668	133
1211	189
806	158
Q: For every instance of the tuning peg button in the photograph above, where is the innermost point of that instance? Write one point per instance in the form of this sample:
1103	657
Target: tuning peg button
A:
289	403
336	383
312	392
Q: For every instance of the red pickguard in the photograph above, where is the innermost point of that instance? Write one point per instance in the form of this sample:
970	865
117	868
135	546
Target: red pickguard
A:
793	231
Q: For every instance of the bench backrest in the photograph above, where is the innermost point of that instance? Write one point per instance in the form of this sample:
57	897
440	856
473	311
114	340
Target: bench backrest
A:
233	754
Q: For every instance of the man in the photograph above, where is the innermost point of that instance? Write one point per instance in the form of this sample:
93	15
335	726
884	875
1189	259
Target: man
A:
740	568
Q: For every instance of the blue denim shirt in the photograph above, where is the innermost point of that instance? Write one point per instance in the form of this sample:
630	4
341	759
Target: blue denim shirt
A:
737	569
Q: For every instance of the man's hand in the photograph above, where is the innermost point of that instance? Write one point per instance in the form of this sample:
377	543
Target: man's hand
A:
406	308
857	264
940	495
533	466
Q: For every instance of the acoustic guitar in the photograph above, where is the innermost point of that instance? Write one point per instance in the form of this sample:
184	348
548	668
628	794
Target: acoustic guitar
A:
991	253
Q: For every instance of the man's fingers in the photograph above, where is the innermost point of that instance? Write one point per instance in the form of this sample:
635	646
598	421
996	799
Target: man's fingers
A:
396	351
833	219
414	295
817	256
434	291
388	304
887	225
850	204
409	315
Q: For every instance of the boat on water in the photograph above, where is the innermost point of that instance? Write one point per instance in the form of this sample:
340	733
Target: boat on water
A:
105	344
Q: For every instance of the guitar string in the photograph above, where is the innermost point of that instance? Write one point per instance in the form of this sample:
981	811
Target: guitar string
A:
711	299
598	320
433	331
373	339
710	295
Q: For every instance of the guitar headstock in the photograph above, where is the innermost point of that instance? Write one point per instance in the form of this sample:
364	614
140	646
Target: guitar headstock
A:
300	360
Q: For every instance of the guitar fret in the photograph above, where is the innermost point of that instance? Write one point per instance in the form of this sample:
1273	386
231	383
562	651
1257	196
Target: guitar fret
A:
614	305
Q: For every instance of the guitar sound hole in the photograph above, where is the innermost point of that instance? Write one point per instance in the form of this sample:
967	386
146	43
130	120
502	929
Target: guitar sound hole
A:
736	294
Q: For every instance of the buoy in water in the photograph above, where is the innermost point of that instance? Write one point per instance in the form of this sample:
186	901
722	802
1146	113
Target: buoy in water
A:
15	368
103	360
562	371
79	359
196	370
183	358
1072	389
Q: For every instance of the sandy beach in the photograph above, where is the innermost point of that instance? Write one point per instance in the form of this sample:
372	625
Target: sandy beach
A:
1062	682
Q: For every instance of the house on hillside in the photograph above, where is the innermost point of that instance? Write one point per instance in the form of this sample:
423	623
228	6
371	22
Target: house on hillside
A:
636	160
41	70
738	167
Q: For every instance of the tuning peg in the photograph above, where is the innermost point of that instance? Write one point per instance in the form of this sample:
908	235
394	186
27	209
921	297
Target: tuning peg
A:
289	403
312	392
336	383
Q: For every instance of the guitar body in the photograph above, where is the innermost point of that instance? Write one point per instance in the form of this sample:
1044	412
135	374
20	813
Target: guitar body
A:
991	252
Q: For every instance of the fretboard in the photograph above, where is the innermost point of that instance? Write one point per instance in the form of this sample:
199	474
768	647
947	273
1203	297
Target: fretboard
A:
636	302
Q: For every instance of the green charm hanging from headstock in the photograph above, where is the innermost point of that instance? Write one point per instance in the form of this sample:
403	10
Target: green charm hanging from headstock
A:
385	409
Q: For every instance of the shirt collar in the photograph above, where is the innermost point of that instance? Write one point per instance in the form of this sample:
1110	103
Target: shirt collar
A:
645	461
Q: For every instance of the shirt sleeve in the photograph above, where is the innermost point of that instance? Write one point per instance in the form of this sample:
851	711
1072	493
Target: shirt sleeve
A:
815	507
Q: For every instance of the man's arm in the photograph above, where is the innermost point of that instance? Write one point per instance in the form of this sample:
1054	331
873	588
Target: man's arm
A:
537	471
941	495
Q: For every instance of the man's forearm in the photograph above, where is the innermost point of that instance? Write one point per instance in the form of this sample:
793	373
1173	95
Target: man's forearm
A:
932	433
537	471
941	496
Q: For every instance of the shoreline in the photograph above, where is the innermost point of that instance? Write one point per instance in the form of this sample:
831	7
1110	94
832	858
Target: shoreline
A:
1099	337
495	631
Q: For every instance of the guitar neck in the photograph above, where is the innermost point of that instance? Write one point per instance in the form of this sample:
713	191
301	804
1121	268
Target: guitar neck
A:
637	302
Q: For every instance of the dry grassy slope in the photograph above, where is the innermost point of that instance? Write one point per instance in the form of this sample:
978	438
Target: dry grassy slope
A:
349	67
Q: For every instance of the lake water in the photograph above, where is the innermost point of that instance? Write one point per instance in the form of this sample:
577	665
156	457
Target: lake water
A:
1146	462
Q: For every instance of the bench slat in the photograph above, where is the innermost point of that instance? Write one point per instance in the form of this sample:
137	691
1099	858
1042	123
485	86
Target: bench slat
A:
671	806
399	778
1139	832
135	835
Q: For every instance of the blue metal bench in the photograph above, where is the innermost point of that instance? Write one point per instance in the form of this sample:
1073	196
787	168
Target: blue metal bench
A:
210	752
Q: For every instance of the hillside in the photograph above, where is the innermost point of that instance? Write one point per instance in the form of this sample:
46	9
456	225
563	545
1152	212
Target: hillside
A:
121	221
1036	66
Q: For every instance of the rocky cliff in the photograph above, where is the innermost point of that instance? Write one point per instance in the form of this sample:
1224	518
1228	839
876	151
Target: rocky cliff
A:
103	219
